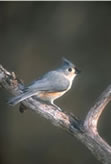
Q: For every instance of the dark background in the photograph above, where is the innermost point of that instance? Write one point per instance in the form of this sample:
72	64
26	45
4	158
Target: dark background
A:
34	36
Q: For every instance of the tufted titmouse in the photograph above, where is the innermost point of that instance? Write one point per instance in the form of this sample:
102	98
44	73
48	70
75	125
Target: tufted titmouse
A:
50	86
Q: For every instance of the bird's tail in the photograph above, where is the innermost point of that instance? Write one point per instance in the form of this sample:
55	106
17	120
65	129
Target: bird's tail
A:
20	98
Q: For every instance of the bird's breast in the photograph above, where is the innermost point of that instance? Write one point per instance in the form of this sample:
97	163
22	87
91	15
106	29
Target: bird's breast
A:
50	96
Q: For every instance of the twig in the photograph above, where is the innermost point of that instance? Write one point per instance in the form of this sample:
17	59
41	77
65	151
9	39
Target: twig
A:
85	131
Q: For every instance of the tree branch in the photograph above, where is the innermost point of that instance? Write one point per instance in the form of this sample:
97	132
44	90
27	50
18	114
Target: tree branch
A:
85	131
92	117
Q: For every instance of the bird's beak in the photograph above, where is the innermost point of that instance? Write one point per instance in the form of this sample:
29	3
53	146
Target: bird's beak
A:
77	71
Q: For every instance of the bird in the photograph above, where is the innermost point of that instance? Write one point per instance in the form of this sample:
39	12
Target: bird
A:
51	85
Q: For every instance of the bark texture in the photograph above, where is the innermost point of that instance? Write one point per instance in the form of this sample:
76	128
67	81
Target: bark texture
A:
85	131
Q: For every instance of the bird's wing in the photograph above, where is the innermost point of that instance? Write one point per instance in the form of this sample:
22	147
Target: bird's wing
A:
51	82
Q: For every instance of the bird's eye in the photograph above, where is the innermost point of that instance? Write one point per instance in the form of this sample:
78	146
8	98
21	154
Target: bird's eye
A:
70	69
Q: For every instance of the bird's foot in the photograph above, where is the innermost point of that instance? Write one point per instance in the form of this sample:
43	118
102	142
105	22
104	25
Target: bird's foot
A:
57	107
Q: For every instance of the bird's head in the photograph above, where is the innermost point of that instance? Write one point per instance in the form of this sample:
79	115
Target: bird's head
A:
69	69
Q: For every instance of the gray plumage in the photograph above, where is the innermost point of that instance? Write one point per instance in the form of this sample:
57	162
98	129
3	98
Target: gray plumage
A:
53	81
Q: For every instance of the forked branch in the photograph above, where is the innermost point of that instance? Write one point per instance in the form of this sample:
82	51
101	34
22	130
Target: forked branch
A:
85	131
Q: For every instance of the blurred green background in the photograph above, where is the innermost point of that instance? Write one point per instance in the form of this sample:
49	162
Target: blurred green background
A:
34	36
